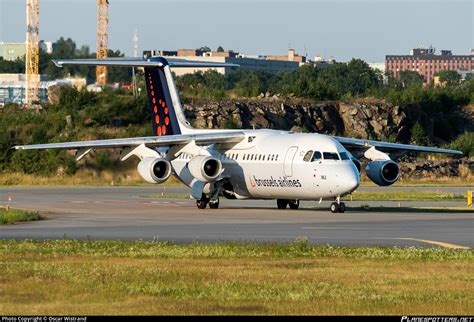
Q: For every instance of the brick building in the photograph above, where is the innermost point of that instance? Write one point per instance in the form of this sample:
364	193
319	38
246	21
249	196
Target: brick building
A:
291	56
427	63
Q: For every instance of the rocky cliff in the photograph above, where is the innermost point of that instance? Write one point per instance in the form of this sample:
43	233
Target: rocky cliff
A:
370	119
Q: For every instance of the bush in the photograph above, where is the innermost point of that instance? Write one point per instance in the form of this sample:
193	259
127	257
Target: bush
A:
464	143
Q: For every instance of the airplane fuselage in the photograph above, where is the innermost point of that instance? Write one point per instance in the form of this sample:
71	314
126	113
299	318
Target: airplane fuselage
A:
272	164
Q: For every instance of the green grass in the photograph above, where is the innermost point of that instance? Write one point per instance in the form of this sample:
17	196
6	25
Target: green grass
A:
406	195
113	277
17	215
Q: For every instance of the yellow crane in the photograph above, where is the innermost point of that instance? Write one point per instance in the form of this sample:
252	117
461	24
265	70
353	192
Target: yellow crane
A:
102	38
32	51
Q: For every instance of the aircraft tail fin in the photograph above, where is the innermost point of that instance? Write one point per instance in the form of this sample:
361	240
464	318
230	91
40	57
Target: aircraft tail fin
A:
165	107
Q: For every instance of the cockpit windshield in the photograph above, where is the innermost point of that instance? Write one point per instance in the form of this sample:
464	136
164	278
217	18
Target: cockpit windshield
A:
344	156
330	156
312	156
316	156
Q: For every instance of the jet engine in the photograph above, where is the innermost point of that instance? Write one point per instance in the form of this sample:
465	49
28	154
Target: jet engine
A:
383	172
205	168
154	170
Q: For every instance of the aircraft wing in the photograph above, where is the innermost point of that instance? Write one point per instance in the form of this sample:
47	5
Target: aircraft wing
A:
388	147
150	141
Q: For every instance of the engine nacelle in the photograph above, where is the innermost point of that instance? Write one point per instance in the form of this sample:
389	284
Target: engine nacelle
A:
383	172
205	168
358	164
154	170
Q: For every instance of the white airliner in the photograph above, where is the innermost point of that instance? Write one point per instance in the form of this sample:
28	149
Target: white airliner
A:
241	164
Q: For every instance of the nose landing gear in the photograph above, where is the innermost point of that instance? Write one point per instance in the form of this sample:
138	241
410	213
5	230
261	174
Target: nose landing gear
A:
338	206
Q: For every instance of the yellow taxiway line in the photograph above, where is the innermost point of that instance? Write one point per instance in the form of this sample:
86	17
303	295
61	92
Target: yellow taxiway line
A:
433	242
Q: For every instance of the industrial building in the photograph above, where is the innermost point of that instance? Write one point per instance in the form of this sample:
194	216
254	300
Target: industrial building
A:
427	63
12	51
246	62
12	87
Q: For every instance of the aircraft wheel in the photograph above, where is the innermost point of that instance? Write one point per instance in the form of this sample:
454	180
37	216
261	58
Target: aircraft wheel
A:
334	207
342	207
282	203
214	205
201	204
294	204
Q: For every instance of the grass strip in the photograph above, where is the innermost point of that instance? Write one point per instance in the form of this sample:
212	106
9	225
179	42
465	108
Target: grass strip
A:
17	215
69	277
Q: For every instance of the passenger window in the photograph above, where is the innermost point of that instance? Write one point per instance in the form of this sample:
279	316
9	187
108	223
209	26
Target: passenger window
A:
330	156
307	156
316	156
344	156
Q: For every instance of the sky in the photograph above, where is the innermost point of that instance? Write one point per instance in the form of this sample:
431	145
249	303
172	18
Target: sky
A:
344	29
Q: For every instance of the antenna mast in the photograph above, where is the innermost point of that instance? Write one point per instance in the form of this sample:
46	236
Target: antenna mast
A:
135	54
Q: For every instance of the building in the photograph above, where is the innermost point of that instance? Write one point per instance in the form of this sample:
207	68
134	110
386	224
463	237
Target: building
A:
12	51
291	56
246	62
12	87
46	46
427	63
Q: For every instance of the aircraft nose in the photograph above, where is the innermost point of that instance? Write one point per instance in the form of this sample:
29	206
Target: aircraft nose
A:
351	180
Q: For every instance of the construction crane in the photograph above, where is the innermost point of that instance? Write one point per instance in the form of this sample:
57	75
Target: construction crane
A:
102	38
32	51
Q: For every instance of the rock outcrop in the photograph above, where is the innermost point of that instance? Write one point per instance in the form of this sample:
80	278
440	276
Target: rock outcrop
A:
365	119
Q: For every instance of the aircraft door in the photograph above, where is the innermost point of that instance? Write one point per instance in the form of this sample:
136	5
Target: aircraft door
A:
290	155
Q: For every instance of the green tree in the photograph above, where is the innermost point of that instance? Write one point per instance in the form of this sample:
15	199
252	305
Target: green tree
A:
418	135
220	49
449	77
12	67
410	78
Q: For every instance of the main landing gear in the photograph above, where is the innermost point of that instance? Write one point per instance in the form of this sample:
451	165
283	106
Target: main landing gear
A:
338	206
204	201
282	203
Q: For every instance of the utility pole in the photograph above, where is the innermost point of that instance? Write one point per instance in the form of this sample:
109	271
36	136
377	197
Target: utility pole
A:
102	38
32	51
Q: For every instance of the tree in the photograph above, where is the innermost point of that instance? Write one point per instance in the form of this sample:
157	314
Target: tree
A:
409	78
418	135
220	49
449	77
12	67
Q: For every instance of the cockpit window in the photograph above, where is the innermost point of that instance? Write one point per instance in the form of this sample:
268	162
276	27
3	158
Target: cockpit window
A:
330	156
316	156
344	156
307	156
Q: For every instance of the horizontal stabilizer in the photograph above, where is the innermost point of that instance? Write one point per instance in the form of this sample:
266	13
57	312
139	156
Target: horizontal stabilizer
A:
136	62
